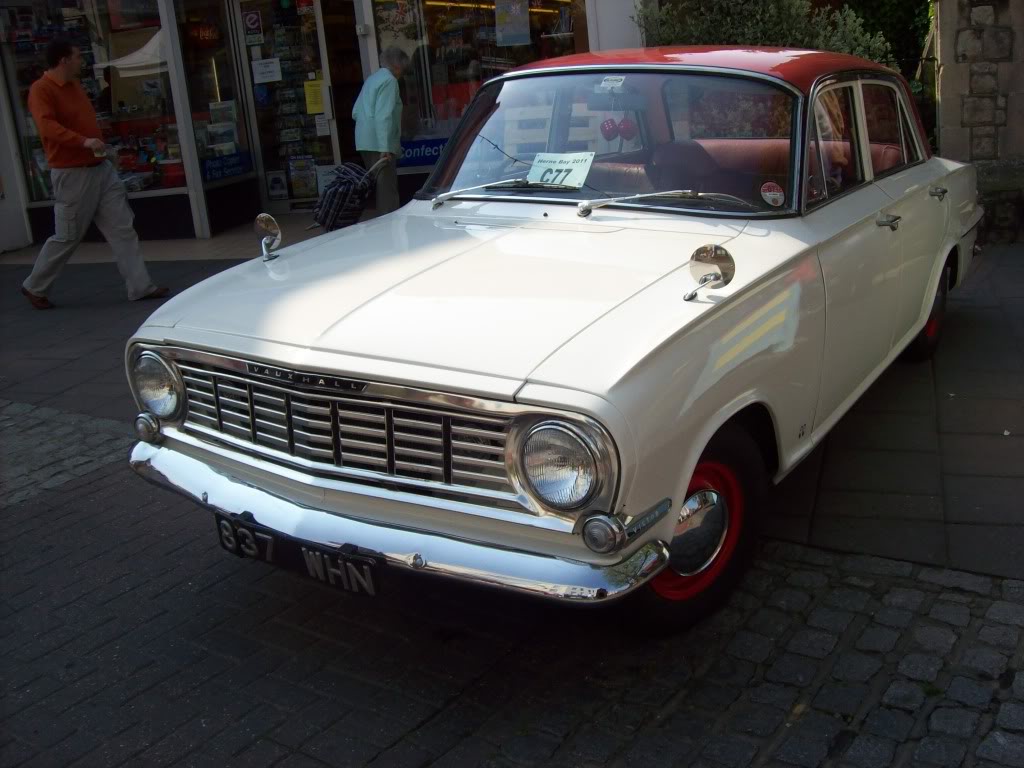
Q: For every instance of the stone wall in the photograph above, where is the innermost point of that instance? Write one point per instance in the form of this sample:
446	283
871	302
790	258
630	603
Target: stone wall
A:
980	47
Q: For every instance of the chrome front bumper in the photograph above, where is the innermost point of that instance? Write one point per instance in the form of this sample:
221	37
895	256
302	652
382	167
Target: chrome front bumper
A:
401	548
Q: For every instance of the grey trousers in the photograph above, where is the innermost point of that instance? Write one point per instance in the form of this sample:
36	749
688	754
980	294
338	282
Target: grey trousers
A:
83	195
387	183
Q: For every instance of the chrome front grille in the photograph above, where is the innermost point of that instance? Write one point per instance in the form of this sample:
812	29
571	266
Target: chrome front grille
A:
360	436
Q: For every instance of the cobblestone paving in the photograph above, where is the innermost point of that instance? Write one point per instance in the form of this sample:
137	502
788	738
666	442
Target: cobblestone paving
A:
128	637
43	448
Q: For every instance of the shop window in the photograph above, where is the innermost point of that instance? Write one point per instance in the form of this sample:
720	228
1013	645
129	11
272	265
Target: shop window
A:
285	70
455	46
215	98
124	72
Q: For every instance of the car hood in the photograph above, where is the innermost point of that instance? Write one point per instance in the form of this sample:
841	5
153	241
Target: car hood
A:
473	294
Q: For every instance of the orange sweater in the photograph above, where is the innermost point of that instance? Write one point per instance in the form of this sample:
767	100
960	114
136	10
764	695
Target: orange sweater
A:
65	119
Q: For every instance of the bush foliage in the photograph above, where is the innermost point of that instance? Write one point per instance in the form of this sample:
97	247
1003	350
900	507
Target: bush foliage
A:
784	23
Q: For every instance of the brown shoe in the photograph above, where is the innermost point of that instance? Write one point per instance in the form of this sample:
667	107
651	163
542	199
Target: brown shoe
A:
157	293
39	302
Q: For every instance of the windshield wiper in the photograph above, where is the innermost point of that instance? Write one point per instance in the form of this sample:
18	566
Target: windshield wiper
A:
439	200
586	206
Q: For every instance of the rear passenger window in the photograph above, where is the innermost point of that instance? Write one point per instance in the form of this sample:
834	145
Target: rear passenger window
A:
886	129
909	132
834	161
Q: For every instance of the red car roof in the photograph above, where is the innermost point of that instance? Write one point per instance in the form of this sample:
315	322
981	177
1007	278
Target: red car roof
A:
800	68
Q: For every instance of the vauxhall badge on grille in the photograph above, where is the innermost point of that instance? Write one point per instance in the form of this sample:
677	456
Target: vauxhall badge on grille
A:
296	378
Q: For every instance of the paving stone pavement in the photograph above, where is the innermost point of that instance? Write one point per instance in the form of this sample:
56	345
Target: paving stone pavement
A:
130	638
43	448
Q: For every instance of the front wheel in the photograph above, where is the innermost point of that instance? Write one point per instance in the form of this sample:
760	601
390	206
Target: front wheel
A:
714	533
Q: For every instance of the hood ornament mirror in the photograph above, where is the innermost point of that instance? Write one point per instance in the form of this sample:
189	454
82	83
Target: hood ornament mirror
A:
269	231
711	265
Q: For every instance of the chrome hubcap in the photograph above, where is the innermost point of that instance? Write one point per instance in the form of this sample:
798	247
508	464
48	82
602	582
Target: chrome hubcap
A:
700	533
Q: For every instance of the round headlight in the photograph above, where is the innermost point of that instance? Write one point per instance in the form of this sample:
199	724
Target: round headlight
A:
559	466
156	385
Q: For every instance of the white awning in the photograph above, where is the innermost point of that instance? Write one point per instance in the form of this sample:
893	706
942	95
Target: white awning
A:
149	60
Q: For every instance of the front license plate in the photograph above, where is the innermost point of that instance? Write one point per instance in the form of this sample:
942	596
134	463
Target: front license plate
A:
346	570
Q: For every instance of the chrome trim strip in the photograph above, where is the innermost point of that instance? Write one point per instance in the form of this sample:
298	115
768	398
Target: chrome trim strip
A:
363	482
647	520
695	68
677	210
515	570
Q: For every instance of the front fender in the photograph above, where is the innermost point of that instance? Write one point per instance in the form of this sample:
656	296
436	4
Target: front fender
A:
763	346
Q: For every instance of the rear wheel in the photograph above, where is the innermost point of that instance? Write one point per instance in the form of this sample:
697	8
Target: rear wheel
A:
927	340
714	533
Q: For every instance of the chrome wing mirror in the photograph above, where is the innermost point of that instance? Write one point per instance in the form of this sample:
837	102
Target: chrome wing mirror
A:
711	265
269	232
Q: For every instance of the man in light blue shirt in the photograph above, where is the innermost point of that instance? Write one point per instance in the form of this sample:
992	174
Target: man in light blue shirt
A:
378	116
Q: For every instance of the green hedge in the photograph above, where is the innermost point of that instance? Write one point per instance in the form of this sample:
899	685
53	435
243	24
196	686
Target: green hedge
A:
785	23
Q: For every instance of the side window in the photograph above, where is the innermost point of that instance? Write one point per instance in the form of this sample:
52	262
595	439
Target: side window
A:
833	159
909	132
885	125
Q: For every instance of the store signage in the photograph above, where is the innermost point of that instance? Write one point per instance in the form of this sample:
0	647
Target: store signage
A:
304	7
253	24
512	22
203	35
421	152
266	71
215	168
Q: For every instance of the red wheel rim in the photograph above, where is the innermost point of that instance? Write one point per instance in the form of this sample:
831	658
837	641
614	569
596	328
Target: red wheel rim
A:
723	480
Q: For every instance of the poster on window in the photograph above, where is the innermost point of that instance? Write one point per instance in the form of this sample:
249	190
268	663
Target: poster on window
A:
512	22
277	185
252	22
266	71
302	176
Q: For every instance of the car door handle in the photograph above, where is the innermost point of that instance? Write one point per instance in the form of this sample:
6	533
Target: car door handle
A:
939	192
890	221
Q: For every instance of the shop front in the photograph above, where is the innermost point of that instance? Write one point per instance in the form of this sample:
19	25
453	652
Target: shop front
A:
215	111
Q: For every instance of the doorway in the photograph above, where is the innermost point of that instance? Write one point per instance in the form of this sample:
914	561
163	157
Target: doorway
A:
290	105
345	56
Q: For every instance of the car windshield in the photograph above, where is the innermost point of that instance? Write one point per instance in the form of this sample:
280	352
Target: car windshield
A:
715	143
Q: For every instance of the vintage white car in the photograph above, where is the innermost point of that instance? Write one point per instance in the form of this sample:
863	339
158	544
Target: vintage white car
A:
638	287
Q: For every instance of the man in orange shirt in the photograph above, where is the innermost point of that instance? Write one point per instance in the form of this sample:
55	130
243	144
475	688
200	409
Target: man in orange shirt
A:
85	185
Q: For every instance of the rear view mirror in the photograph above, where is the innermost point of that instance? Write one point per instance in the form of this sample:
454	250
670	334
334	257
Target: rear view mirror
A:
269	230
713	266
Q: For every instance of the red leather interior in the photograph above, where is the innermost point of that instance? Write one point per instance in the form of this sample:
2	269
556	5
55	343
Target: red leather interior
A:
619	178
885	156
749	155
737	166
